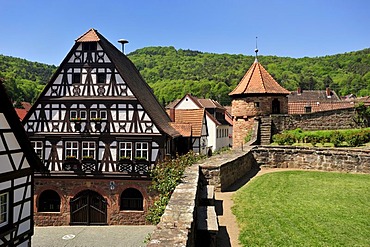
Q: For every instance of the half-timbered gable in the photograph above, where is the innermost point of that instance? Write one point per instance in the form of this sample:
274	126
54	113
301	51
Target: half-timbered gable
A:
97	118
97	92
17	163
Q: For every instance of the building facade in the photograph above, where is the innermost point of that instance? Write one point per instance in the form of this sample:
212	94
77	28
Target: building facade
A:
18	162
99	129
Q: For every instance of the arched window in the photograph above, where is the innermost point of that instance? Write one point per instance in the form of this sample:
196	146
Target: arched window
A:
49	201
131	199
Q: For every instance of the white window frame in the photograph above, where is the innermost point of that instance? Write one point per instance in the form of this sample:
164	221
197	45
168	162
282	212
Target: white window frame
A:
38	147
125	149
101	115
73	114
4	209
141	150
71	148
88	149
83	115
93	114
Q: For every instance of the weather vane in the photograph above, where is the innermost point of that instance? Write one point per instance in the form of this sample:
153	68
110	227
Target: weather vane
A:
256	50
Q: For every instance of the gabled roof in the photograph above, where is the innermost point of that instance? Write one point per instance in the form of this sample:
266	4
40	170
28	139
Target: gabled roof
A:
184	129
258	81
130	75
300	107
11	117
194	117
201	103
313	95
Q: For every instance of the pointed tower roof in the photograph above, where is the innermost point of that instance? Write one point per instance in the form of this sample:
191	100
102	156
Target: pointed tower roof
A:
258	81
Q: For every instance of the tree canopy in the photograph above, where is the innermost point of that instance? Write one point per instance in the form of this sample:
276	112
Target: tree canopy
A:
174	72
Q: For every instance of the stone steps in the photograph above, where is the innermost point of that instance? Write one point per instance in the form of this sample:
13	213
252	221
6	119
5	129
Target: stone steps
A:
265	132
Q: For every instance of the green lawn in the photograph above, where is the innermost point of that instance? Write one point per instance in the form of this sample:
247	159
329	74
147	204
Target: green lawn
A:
304	208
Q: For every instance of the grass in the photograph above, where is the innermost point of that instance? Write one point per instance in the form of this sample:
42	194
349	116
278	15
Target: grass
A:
303	208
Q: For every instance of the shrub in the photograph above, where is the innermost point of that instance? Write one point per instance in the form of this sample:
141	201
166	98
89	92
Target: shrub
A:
166	176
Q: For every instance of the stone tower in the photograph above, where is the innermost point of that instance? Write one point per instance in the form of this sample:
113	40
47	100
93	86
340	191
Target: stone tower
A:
257	94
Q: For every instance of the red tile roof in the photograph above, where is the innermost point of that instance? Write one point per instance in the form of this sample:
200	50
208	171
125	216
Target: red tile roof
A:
299	107
193	117
89	36
21	113
258	81
184	129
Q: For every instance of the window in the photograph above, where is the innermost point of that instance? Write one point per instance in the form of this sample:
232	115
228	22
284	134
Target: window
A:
142	149
88	149
103	115
4	209
73	115
71	148
49	201
125	149
76	78
256	104
131	199
93	114
307	109
83	115
101	78
89	46
37	146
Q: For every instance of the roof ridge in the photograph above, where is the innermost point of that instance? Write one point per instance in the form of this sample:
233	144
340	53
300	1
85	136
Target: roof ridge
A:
90	36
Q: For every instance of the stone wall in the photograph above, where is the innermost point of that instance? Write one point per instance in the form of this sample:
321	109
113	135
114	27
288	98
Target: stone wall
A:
177	224
67	188
325	159
334	119
224	170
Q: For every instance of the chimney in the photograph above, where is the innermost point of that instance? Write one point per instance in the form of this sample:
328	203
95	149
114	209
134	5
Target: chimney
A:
172	114
299	90
123	42
328	92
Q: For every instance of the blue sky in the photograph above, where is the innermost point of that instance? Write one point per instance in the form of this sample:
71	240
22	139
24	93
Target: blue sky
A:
45	30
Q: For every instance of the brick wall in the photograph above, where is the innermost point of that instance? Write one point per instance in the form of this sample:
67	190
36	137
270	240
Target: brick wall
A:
67	188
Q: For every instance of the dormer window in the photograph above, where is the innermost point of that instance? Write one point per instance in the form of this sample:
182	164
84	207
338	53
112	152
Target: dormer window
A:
307	109
89	46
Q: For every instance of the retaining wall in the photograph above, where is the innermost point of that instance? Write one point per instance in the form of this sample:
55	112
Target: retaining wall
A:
326	159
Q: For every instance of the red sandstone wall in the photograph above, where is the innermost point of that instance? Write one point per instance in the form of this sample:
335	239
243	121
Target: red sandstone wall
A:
68	188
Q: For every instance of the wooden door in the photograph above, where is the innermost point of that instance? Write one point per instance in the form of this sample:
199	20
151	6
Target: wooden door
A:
88	208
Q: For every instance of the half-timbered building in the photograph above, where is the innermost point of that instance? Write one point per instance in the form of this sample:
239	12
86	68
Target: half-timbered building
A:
99	129
18	162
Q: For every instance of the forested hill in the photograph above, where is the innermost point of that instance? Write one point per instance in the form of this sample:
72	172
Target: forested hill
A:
172	73
24	80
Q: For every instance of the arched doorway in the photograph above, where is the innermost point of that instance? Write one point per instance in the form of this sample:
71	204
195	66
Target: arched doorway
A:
275	106
88	208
